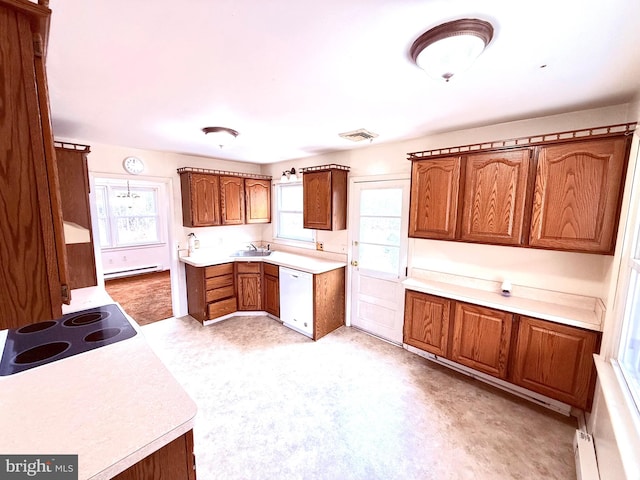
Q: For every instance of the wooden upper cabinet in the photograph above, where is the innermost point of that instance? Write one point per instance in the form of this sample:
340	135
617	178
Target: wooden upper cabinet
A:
33	282
73	175
482	338
556	360
325	199
434	198
577	195
495	190
257	200
200	199
426	322
231	200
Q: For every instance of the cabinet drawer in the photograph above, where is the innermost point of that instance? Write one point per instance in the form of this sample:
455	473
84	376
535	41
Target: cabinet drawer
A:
216	270
249	267
271	269
221	281
223	307
218	293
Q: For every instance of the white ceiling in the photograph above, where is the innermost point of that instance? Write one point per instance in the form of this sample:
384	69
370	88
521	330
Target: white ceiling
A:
290	75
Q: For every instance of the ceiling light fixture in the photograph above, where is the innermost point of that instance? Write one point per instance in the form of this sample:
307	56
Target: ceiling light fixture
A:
452	47
289	176
222	136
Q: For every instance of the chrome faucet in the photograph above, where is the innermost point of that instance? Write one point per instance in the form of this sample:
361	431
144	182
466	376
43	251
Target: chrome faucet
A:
253	246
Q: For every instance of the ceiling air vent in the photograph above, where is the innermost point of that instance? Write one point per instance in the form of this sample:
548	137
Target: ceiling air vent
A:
359	135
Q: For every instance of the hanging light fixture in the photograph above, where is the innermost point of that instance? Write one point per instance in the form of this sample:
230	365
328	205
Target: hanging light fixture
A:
128	197
289	176
452	47
221	136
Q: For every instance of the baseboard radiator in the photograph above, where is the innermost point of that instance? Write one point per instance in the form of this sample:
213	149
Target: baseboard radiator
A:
132	271
585	455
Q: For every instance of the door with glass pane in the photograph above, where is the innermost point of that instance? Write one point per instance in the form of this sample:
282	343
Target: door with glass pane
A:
378	225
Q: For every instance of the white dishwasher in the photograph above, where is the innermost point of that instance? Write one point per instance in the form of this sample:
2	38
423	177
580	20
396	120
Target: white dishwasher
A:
296	300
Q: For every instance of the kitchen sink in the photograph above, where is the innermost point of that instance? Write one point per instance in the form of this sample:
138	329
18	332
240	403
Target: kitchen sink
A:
251	253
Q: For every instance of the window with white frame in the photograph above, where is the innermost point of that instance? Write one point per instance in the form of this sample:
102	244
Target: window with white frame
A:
288	219
629	352
128	215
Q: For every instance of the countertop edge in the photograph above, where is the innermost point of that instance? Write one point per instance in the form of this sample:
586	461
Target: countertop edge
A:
145	451
320	265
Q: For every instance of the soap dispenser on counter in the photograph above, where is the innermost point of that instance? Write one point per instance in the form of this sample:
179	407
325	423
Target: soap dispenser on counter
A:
192	243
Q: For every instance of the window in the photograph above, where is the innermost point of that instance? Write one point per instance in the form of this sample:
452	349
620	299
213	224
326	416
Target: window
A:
629	353
288	221
127	214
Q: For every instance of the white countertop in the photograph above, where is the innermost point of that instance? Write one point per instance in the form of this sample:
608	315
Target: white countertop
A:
284	259
574	310
112	406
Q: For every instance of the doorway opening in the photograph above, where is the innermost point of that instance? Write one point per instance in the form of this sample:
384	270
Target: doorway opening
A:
131	224
378	237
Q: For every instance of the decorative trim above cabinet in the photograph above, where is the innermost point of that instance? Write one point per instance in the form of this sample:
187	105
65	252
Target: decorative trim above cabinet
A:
224	173
543	139
319	168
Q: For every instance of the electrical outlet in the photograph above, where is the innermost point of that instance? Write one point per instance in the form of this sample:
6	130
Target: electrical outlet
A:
320	246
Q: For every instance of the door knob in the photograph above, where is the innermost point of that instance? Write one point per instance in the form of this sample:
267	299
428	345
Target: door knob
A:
354	263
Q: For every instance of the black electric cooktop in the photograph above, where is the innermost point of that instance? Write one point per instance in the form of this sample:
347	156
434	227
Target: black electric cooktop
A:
44	342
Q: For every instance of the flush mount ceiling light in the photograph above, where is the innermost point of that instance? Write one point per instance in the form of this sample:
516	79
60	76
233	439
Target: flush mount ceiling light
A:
452	47
221	136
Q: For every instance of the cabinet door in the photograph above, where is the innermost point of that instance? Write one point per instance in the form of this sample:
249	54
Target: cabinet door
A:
232	200
258	200
272	295
577	195
200	199
481	338
434	198
249	288
426	322
325	199
494	197
32	251
556	360
316	188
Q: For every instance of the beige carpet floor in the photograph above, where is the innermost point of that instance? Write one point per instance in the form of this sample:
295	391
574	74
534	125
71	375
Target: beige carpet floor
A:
146	297
275	405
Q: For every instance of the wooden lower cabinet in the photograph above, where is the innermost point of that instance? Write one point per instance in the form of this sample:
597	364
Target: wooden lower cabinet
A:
174	461
210	291
426	322
549	358
272	289
481	338
249	285
328	301
556	361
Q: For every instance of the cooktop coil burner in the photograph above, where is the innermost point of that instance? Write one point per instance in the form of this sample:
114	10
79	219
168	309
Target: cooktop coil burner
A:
51	340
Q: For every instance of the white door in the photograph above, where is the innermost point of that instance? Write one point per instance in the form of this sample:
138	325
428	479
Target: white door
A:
378	229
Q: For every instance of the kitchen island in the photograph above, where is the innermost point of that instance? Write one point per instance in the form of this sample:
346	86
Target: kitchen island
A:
112	406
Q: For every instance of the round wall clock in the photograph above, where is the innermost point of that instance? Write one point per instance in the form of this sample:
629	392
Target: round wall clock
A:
133	165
